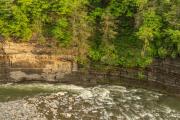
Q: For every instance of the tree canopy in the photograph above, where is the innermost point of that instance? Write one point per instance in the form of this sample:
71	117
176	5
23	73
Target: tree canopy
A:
113	32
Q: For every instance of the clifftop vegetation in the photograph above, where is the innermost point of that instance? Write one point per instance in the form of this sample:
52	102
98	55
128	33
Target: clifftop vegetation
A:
113	32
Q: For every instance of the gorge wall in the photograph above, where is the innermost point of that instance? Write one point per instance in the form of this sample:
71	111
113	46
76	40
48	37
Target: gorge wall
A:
28	62
23	62
162	74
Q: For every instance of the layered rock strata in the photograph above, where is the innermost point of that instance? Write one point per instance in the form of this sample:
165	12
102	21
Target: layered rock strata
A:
26	62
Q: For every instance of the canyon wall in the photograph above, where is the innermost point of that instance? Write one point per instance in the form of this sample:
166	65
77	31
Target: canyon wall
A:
28	62
23	62
162	74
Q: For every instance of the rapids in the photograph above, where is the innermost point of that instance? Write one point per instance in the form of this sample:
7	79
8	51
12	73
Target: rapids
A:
70	102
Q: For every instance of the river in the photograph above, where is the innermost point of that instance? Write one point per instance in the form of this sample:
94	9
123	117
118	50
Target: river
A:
39	101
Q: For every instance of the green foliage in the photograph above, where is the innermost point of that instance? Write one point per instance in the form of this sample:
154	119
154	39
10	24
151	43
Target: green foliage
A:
95	54
14	23
60	31
141	75
150	29
112	32
171	43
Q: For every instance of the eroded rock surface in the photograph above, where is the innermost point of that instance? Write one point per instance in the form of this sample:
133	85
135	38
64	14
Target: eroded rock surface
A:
26	62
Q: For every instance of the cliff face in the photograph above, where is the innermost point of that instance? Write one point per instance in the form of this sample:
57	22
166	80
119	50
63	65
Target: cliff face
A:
21	62
165	72
26	62
161	74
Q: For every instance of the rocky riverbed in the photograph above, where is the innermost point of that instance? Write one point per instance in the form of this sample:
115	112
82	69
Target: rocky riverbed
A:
70	102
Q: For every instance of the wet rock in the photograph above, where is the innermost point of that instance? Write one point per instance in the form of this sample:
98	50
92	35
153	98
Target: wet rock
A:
19	76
